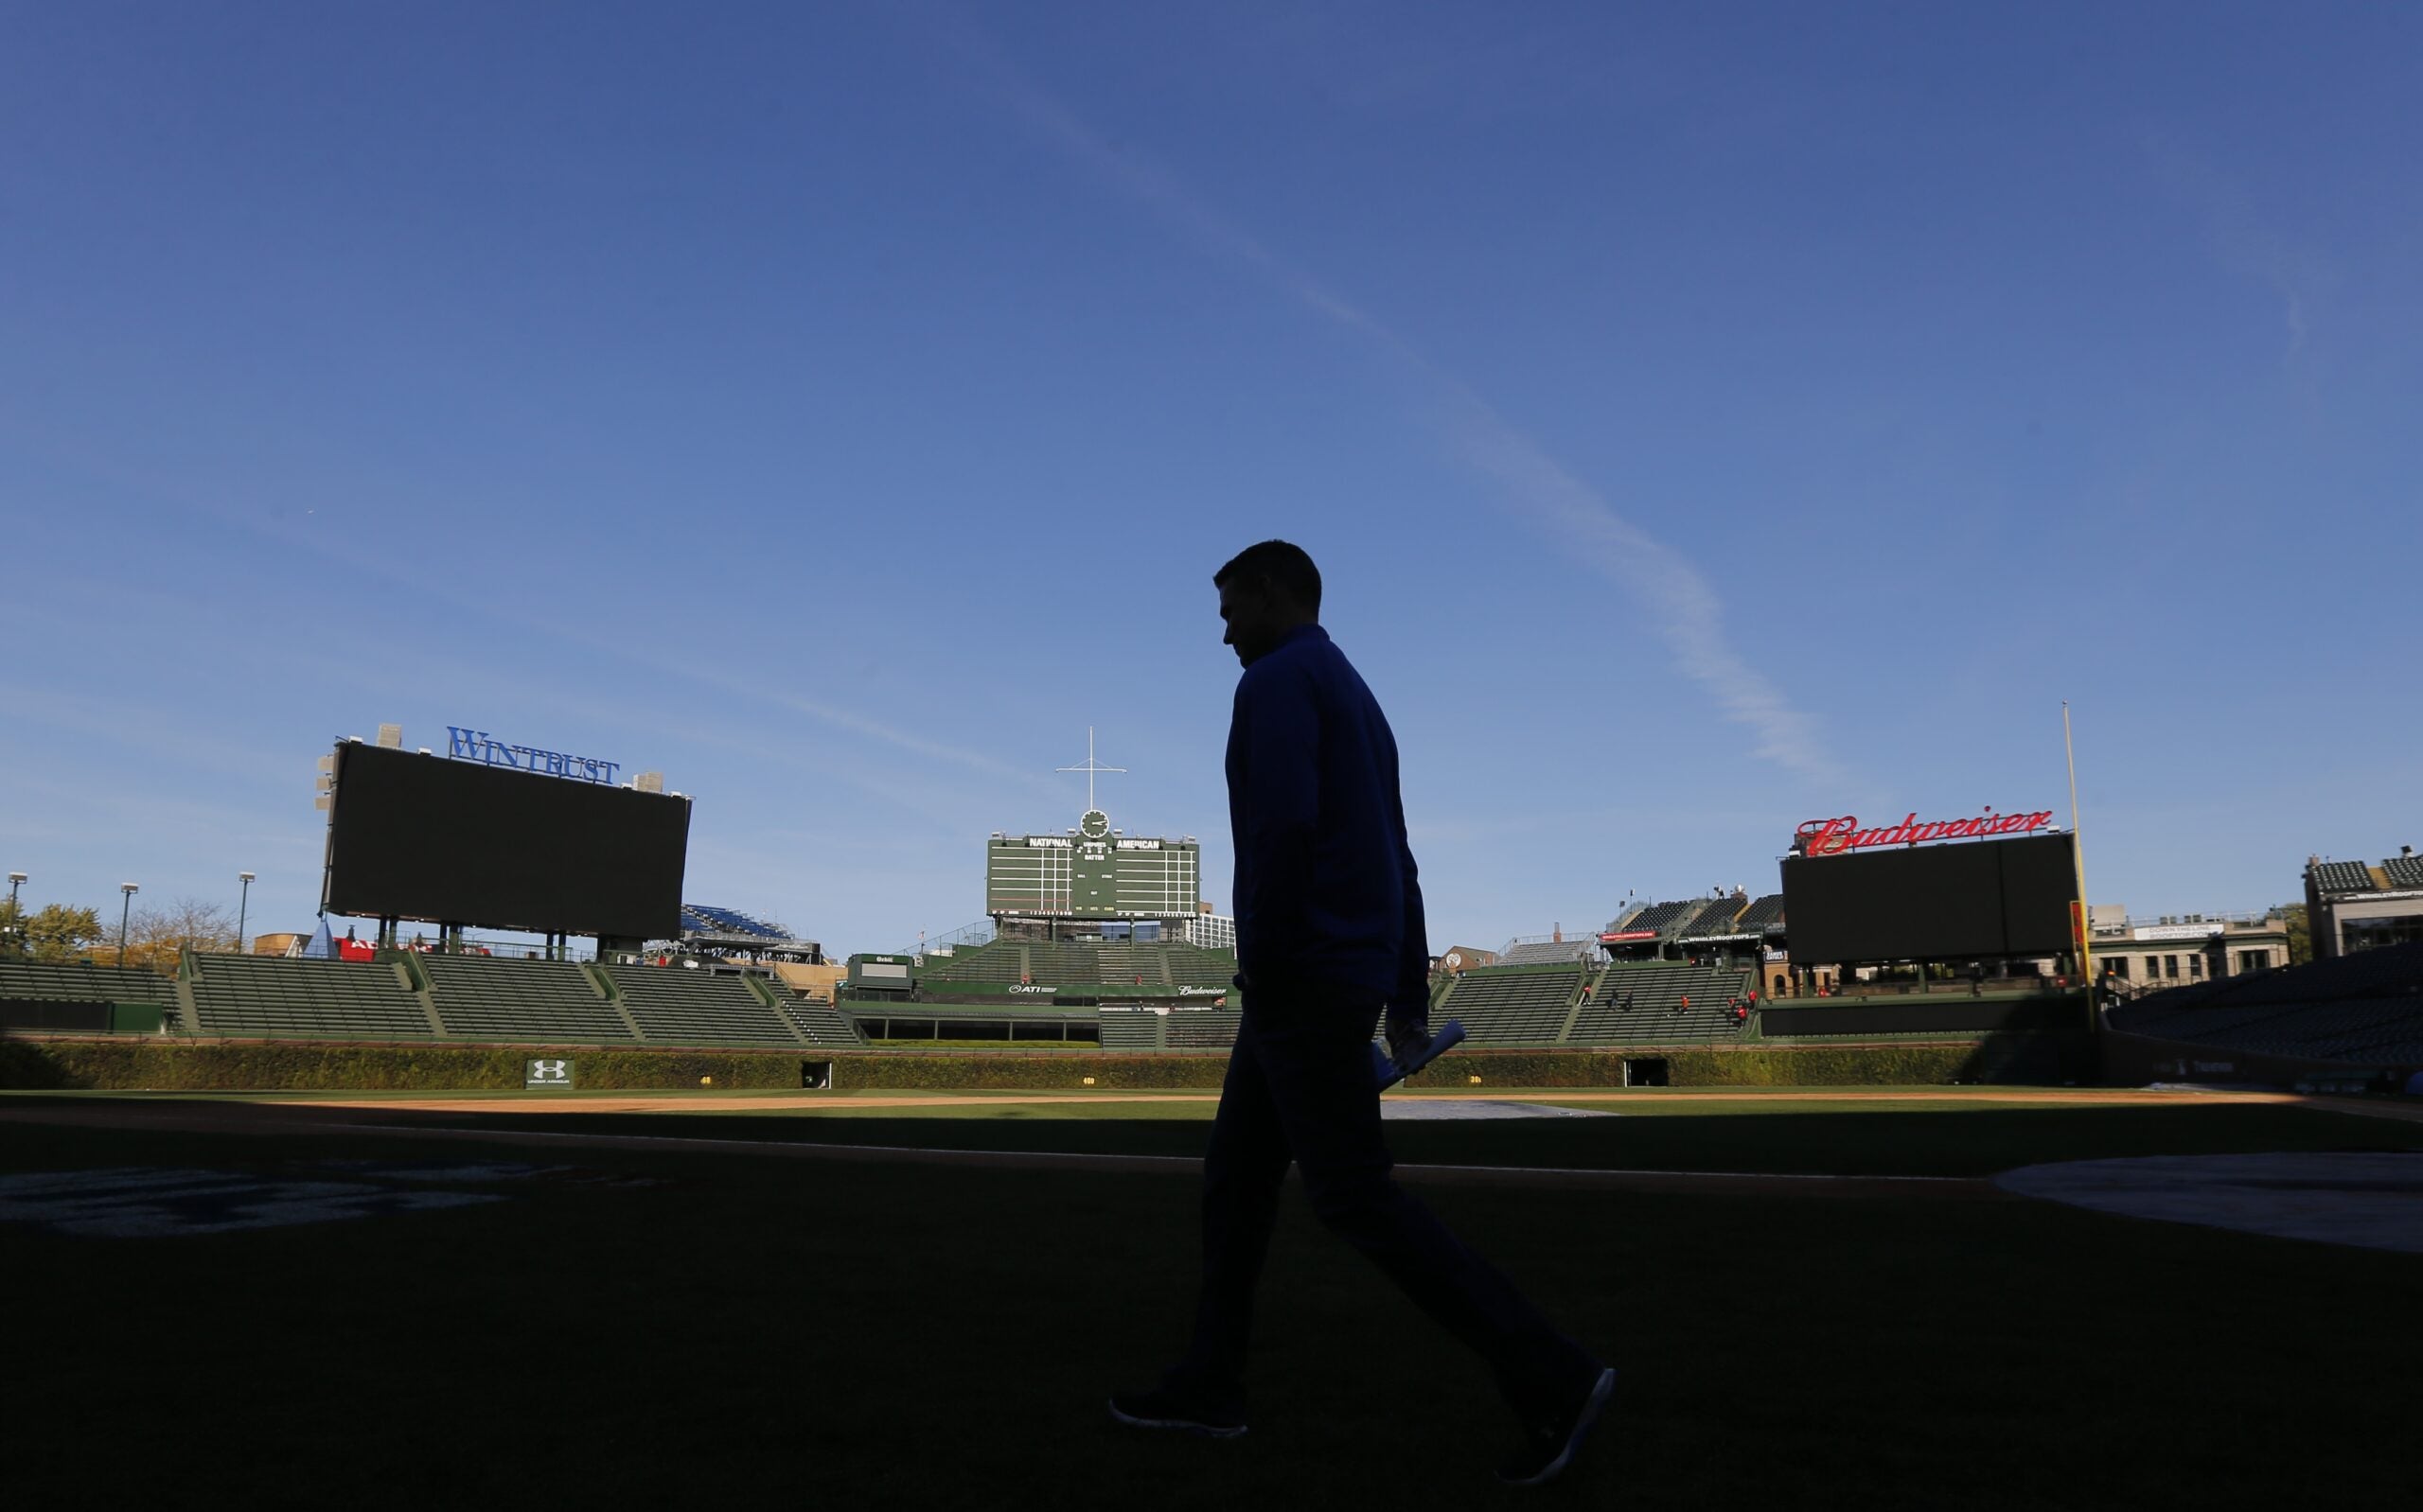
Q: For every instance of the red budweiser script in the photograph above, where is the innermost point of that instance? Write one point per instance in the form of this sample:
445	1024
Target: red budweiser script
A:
1833	836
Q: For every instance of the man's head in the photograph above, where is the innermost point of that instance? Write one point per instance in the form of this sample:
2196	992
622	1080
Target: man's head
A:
1266	590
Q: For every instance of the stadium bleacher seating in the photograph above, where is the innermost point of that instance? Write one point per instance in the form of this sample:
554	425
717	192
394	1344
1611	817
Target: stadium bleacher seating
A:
1198	966
518	1001
2364	1008
1657	1014
2342	876
82	982
817	1023
677	1006
1520	1005
996	961
1200	1030
1058	962
270	996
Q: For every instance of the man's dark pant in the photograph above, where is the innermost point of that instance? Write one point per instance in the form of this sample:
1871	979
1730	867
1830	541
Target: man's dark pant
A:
1300	1086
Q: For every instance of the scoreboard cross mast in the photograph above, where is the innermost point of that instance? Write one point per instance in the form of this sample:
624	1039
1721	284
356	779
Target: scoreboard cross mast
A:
1089	768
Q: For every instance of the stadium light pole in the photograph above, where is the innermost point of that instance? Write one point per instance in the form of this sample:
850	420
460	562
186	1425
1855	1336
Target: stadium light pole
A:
126	904
16	920
241	903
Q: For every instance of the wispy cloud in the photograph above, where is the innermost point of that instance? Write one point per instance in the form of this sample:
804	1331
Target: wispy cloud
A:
1678	598
2242	243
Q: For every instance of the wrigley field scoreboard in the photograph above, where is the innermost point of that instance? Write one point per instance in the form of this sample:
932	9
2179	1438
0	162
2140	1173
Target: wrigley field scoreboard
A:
1092	872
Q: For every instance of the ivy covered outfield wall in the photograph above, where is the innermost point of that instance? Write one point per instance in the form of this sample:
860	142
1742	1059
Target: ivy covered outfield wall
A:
121	1064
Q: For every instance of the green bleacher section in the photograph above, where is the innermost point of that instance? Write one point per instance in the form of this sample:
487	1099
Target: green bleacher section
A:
1082	963
677	1006
1181	1028
79	982
1522	1005
817	1023
2365	1009
489	998
1658	1014
996	961
271	996
1198	965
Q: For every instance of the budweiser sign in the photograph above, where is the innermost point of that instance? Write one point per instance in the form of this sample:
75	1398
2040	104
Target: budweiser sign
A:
1834	836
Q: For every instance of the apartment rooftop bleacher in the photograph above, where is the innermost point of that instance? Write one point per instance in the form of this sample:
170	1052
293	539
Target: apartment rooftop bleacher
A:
2404	870
271	995
2342	876
1663	916
520	1001
689	1007
1762	913
1716	917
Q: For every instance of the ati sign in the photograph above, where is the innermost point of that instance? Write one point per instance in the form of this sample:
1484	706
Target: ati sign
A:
479	745
1836	836
546	1074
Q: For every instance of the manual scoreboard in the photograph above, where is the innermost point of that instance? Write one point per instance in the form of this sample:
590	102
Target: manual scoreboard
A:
1092	873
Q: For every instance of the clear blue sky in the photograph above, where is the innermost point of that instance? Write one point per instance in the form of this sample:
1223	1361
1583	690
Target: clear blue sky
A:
1707	418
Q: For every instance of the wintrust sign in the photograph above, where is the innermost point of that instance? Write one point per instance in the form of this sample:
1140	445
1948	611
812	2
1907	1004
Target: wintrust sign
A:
1834	836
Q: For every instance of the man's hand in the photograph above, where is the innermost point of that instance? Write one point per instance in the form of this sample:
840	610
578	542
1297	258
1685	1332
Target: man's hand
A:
1407	1031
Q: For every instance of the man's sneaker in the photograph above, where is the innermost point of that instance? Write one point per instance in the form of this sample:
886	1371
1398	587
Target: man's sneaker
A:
1550	1445
1165	1409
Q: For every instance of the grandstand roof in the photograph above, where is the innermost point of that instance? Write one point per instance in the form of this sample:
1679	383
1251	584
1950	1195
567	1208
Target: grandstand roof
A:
708	920
1548	952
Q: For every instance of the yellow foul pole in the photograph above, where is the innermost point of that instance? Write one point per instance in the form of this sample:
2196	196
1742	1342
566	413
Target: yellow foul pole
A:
2077	856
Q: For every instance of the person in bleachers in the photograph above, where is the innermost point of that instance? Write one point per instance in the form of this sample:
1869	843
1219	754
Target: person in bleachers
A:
1331	936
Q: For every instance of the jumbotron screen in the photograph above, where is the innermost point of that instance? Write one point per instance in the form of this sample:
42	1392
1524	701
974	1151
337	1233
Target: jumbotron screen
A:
442	841
1933	903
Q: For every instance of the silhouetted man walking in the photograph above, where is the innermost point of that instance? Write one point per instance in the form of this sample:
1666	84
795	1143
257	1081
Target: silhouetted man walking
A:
1329	932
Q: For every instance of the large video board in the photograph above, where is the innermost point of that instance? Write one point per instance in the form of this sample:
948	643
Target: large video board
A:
458	842
1932	902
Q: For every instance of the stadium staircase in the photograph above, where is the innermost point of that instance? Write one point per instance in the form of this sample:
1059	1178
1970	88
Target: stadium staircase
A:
271	996
679	1006
1657	1014
480	997
813	1020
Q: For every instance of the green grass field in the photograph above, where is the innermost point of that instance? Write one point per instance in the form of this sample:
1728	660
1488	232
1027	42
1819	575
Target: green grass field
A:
666	1327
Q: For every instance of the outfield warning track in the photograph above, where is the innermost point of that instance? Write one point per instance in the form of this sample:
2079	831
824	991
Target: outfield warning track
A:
292	1120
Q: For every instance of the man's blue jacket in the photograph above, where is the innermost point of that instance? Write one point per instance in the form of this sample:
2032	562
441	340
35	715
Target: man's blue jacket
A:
1327	897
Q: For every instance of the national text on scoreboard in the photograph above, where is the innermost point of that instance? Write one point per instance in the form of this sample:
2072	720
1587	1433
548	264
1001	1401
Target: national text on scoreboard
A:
479	745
